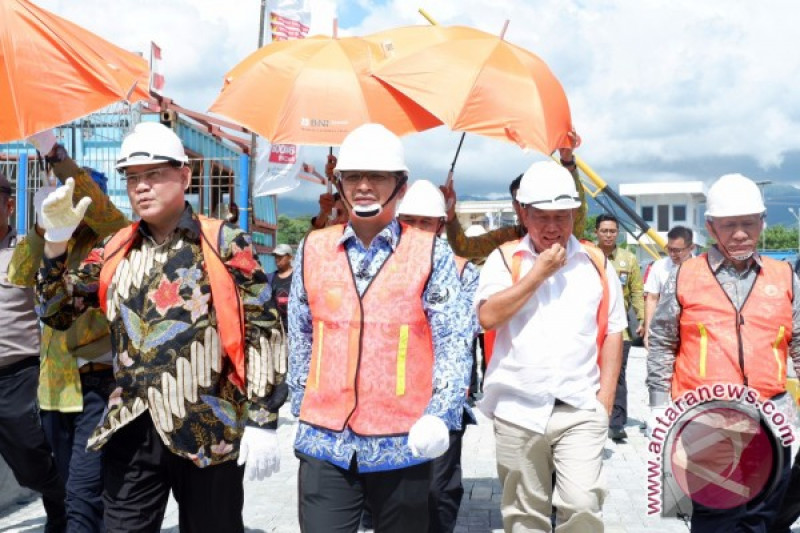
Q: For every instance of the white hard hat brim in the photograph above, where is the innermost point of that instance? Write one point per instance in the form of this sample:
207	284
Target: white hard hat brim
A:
147	159
551	205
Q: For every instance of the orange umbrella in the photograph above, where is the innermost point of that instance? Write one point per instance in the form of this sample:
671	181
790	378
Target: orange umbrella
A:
315	91
53	71
477	82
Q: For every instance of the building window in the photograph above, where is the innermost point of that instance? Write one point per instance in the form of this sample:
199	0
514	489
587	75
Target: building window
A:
663	218
679	213
647	213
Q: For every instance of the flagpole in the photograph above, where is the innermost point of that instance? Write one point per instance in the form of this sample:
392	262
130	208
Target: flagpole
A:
249	212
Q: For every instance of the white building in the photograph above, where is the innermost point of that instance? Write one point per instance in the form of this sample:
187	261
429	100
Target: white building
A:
490	214
669	204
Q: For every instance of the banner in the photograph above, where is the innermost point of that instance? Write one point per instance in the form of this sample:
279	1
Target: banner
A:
157	81
278	166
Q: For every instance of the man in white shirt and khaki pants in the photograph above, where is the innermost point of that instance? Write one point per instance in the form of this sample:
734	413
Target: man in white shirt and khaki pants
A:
558	310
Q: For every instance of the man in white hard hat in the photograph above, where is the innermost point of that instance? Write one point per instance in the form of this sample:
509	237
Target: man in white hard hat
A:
728	317
423	207
198	384
558	310
377	360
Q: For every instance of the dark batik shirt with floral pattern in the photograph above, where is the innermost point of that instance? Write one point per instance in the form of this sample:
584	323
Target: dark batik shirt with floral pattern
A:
168	359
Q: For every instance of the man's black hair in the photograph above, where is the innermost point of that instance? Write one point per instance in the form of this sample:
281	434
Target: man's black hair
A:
680	232
605	217
514	187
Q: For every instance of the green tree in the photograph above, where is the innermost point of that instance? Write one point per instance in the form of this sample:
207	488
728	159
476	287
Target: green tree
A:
779	237
292	230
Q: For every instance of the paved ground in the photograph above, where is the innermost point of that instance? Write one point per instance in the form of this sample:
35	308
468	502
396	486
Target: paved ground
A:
272	506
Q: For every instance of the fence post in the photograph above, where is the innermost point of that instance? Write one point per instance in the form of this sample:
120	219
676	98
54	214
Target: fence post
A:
22	194
244	192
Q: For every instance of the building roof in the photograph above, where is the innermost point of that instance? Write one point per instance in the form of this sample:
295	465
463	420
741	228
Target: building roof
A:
671	187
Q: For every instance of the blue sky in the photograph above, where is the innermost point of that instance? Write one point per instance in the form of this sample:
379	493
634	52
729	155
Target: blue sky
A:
659	91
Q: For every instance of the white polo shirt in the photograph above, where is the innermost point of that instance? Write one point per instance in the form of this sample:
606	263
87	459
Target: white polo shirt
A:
548	350
658	275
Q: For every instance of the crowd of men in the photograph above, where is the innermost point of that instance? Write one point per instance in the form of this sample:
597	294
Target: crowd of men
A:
166	352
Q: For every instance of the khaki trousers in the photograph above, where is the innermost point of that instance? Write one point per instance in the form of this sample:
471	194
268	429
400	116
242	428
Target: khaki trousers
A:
572	446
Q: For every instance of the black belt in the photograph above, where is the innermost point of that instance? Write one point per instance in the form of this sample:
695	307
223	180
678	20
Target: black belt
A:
19	365
88	368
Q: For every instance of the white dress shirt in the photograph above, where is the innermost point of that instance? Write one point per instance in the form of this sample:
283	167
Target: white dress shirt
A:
658	275
548	349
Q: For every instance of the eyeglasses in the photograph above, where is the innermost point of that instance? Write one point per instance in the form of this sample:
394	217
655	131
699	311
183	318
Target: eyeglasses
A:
676	251
154	175
373	178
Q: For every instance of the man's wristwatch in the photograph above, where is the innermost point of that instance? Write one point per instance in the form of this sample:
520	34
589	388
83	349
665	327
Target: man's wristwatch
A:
568	163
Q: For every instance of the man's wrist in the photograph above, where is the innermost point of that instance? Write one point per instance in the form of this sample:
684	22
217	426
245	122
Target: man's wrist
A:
568	163
57	155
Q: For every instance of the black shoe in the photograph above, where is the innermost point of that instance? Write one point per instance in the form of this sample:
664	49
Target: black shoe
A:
617	434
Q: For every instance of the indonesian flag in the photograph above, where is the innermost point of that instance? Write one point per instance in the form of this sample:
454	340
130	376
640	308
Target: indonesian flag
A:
156	72
278	166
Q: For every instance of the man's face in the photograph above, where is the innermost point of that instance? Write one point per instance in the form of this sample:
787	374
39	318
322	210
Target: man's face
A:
737	235
365	188
157	192
283	262
607	233
548	227
429	224
6	210
678	250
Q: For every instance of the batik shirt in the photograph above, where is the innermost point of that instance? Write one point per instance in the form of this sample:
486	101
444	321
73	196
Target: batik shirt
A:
168	358
449	323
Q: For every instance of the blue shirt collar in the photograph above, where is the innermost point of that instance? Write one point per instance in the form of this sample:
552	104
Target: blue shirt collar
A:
390	234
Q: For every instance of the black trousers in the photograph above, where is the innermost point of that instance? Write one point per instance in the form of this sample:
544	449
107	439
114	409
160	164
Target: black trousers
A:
81	469
446	488
22	440
139	472
619	414
331	498
789	510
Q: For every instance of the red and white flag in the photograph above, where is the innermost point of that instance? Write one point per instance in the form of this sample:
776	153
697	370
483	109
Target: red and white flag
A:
278	166
156	72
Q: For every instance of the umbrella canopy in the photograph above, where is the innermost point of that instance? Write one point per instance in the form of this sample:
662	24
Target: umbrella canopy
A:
315	91
477	82
53	71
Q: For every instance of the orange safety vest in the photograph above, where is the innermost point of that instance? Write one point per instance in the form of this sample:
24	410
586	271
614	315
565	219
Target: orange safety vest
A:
513	261
224	294
371	355
719	344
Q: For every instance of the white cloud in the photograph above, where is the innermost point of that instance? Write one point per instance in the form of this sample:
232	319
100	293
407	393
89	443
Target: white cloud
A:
650	83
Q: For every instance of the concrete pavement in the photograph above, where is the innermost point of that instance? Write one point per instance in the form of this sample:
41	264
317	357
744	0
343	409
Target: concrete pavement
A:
271	506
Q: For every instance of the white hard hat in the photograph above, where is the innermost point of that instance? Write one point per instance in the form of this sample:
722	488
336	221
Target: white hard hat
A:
549	186
733	195
474	230
150	143
423	199
371	147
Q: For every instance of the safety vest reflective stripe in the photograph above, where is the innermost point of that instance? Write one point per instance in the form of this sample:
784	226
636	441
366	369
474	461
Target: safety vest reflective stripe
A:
719	344
371	365
228	306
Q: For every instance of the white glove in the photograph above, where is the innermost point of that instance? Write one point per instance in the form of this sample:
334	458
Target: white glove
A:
43	141
259	452
429	437
59	217
41	194
655	412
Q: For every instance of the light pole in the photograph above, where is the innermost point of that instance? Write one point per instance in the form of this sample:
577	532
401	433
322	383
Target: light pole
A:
761	184
796	216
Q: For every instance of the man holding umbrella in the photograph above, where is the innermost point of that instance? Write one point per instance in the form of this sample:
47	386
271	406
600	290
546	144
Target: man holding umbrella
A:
378	359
